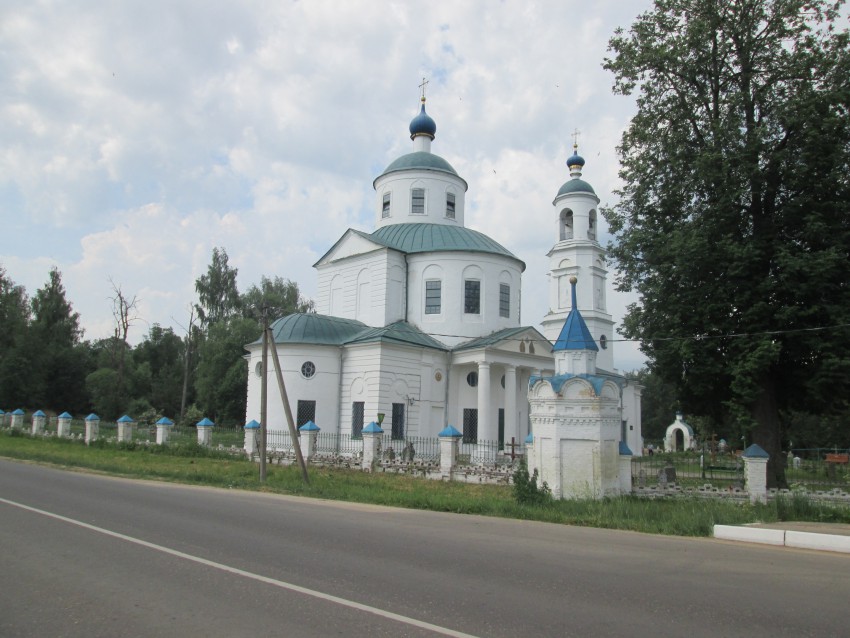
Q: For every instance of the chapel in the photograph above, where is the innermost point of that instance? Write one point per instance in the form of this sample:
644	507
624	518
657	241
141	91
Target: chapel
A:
419	320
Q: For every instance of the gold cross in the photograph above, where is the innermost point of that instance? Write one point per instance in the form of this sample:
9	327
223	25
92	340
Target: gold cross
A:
422	86
576	133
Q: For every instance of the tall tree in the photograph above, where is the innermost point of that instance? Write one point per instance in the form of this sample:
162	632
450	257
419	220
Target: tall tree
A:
56	349
278	296
217	292
733	223
160	361
15	368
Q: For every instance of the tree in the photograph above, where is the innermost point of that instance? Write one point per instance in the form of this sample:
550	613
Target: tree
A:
733	224
56	349
280	297
14	359
658	404
124	313
160	368
222	373
217	292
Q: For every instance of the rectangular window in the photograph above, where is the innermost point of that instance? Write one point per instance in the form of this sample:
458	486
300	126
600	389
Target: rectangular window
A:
504	300
357	413
417	201
433	291
306	412
385	210
470	425
398	421
472	297
450	205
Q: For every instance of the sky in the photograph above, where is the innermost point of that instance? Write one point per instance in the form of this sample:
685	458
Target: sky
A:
138	135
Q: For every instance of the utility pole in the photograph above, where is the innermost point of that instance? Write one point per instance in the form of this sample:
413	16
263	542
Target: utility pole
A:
264	412
293	433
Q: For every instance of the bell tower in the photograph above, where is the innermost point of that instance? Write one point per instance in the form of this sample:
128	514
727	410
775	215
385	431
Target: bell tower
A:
577	253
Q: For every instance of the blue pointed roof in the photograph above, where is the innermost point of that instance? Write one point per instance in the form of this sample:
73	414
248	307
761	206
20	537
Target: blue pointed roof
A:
92	417
126	419
65	415
38	413
451	431
309	427
575	334
252	425
204	423
755	451
18	412
165	421
373	428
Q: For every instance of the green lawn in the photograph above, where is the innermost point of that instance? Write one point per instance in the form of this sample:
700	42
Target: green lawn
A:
188	463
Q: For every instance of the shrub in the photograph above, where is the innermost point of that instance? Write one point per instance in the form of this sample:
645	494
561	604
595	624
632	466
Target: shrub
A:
526	490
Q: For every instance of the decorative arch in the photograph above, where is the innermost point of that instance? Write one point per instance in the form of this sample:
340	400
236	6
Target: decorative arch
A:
679	429
364	296
336	301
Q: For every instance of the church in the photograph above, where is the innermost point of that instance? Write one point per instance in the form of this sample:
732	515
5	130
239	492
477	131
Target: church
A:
419	320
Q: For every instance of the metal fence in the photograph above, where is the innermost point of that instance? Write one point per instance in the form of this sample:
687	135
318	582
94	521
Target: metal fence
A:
818	468
688	470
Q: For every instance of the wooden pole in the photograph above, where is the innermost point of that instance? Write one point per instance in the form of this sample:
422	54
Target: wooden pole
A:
264	412
287	410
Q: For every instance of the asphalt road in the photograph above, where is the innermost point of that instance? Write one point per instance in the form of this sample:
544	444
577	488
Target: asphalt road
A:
84	555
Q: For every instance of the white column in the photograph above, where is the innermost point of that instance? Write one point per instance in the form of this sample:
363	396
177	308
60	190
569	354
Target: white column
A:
92	427
487	429
252	436
38	420
510	406
63	425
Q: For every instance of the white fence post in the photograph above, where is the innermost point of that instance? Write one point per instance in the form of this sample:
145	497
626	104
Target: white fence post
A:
372	434
38	419
125	429
755	473
204	427
252	432
17	421
449	444
63	425
625	469
163	426
92	427
307	435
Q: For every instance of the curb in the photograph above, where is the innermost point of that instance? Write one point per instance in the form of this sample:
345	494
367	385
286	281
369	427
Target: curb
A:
783	538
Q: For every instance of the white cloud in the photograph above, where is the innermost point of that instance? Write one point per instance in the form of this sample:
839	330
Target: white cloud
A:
137	137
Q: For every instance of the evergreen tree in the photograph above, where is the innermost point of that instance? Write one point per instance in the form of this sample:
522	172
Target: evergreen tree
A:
15	371
56	350
733	224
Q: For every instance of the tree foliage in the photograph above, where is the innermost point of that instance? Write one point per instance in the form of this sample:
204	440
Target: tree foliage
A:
217	291
278	296
733	223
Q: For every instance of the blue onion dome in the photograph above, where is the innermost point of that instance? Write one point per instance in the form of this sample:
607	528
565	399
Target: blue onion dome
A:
575	160
423	124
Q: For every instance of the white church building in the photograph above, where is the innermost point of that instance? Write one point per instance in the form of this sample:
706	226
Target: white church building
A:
419	320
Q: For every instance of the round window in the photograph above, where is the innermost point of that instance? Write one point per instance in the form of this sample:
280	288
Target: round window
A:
308	369
472	379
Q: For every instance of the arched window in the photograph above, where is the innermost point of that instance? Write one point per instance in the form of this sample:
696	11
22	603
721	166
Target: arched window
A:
566	224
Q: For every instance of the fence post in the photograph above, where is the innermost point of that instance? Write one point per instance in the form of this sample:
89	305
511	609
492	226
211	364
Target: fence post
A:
252	431
372	434
17	419
125	429
38	419
755	473
63	425
625	468
162	428
92	427
204	427
307	435
449	444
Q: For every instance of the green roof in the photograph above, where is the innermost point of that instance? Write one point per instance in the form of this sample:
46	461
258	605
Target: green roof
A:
310	328
316	329
398	332
491	339
575	185
427	238
420	160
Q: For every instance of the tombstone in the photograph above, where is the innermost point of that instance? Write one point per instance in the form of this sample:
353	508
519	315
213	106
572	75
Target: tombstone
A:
662	478
670	473
408	453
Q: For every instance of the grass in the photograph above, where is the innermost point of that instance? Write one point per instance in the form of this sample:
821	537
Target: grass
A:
192	464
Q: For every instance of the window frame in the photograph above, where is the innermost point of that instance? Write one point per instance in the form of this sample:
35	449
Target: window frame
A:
504	300
468	284
413	198
451	206
430	307
386	205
